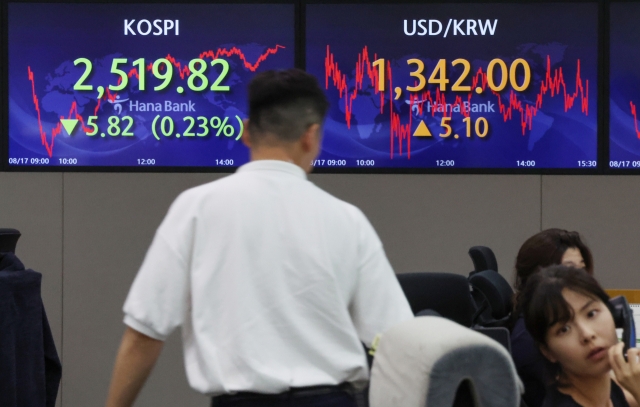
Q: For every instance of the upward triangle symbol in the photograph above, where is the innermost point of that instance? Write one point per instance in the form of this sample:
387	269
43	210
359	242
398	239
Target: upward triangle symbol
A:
422	130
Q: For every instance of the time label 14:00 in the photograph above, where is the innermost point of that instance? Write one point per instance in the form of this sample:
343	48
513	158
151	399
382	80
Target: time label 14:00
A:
162	69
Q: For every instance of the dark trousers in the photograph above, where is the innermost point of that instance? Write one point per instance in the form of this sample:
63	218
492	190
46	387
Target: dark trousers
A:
332	397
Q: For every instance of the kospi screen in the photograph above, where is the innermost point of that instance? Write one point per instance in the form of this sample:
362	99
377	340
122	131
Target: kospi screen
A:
624	87
137	85
471	86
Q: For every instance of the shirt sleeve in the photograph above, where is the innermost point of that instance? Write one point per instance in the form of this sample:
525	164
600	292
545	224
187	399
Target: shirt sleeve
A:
378	302
158	299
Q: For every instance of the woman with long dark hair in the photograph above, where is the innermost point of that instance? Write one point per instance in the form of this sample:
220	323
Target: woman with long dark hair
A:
567	314
549	247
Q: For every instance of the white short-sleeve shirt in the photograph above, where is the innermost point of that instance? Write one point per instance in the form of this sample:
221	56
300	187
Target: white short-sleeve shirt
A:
274	282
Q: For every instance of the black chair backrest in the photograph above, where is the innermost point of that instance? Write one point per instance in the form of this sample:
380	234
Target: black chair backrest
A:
9	239
496	291
498	334
445	293
483	258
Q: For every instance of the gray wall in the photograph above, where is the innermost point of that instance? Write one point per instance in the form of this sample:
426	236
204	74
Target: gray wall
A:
87	234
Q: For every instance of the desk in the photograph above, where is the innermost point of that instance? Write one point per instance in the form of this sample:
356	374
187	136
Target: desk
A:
633	296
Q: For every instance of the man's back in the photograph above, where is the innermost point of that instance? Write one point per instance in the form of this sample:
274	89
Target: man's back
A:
274	281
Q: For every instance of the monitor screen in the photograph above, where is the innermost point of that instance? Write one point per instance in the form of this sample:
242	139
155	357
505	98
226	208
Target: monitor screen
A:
624	87
137	85
423	87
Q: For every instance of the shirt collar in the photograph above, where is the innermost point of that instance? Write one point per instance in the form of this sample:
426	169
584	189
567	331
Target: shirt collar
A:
273	165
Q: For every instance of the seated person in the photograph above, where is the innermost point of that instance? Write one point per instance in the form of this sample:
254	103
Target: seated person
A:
567	314
549	247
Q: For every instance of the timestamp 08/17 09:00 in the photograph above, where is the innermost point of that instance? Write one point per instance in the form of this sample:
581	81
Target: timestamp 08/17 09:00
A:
624	164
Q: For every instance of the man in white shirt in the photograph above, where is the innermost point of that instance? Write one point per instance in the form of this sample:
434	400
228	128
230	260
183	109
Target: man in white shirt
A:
275	283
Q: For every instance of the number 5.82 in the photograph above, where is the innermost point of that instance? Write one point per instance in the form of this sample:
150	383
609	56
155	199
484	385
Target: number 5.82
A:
114	126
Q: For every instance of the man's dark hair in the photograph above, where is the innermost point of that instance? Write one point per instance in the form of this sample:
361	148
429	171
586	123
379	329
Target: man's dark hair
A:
283	104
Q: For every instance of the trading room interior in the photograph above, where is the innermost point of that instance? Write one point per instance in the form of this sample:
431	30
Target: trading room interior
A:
451	125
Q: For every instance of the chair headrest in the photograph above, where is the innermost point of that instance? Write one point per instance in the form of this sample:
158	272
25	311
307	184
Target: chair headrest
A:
483	258
496	290
9	239
447	294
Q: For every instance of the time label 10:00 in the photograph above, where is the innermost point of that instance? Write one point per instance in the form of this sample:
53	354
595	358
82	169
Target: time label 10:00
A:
162	69
439	75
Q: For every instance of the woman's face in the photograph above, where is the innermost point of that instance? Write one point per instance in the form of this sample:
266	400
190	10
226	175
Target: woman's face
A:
581	345
572	258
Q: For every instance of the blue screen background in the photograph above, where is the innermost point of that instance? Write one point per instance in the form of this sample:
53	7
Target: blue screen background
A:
47	38
560	136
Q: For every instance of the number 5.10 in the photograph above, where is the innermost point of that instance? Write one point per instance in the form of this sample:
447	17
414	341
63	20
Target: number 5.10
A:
481	127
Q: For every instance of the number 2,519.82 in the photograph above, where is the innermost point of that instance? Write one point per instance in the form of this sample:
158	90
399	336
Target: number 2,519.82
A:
161	68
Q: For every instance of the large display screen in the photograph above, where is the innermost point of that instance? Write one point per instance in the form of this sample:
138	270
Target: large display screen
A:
624	87
473	86
137	85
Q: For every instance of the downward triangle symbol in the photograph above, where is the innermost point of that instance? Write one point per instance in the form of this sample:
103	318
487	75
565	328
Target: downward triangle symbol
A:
69	125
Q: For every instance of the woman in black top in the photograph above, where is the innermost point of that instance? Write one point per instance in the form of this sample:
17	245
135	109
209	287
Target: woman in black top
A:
566	312
546	248
556	399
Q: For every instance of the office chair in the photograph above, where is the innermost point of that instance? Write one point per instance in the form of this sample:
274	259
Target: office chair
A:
492	294
434	362
445	293
483	259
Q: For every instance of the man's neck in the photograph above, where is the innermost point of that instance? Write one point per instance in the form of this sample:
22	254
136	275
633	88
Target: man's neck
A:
276	153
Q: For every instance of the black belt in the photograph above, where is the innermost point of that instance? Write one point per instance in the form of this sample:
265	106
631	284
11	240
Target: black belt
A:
294	392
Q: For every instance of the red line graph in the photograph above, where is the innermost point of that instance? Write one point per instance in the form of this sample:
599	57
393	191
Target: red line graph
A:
183	71
553	84
635	118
